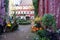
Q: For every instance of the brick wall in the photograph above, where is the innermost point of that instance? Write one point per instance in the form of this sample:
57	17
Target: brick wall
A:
52	7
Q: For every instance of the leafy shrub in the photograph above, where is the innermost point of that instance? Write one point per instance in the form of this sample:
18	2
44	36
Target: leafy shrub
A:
24	22
49	21
41	33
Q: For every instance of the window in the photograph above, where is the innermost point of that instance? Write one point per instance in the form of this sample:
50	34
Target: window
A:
17	2
27	12
18	12
30	12
21	12
24	12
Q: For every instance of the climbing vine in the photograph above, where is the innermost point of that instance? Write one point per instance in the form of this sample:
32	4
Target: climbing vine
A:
6	5
35	4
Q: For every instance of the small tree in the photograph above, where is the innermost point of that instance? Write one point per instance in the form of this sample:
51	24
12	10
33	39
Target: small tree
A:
49	21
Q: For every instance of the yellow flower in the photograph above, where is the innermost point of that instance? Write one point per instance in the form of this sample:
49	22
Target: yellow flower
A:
8	24
38	18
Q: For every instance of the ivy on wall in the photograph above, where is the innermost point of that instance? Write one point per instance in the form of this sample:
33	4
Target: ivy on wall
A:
35	4
6	5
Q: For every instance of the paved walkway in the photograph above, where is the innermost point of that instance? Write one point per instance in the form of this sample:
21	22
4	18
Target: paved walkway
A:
23	33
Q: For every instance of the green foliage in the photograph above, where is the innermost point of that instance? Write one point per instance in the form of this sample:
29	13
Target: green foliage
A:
6	5
48	20
14	15
14	27
35	3
44	38
41	33
23	22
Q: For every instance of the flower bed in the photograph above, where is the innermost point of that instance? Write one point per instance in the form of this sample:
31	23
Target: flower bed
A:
24	22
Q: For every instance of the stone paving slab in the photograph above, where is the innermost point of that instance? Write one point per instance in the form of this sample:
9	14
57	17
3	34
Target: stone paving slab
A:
23	33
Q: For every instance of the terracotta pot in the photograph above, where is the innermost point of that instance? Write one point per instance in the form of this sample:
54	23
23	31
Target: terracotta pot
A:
37	29
33	30
41	28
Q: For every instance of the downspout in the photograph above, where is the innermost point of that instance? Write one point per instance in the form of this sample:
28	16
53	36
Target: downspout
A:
38	7
47	7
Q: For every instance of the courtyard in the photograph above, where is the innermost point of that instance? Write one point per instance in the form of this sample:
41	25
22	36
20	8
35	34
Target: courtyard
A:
23	33
29	19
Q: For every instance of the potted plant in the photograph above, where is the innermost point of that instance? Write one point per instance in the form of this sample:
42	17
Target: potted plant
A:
48	22
37	24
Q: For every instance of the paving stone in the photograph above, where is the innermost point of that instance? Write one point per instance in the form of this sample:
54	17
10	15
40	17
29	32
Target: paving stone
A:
23	33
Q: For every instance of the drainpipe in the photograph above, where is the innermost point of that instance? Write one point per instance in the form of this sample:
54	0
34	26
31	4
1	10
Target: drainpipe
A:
47	7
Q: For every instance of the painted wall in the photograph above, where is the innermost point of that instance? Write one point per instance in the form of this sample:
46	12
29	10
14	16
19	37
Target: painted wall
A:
2	11
24	4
